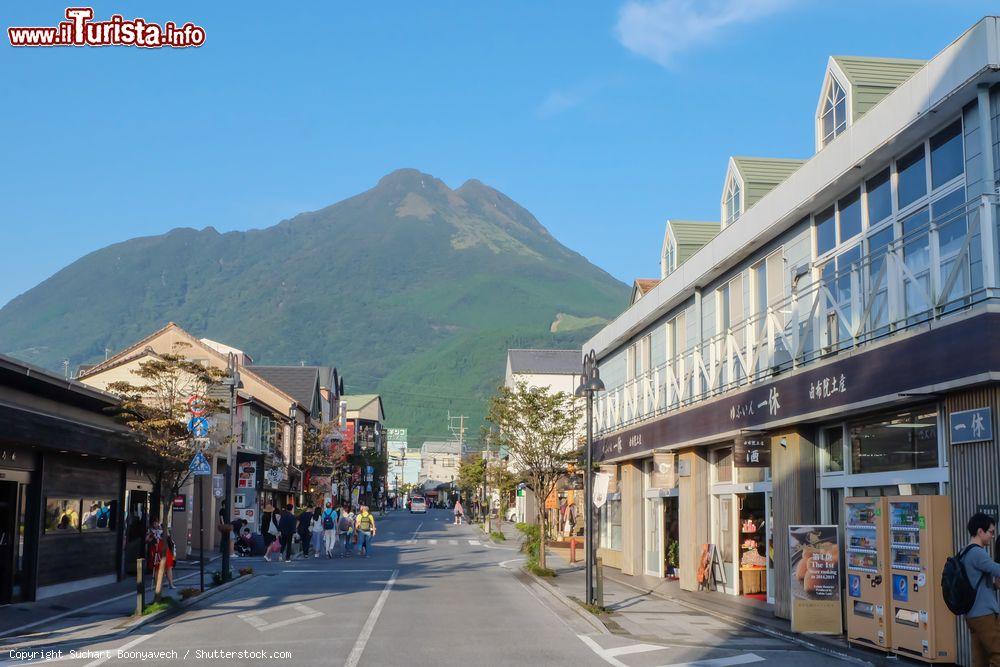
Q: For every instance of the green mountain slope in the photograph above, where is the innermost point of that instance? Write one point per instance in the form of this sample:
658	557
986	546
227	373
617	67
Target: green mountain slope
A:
411	288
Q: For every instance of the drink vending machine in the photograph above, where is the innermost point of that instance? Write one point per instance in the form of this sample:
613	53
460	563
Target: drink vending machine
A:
867	553
920	540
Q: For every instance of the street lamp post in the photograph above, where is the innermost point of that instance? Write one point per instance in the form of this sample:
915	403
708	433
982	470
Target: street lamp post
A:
590	383
234	384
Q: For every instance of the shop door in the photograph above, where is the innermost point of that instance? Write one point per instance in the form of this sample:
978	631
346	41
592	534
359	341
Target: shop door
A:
9	539
654	540
136	525
725	519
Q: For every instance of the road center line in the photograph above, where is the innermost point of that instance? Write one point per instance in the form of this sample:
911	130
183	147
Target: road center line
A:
366	631
414	536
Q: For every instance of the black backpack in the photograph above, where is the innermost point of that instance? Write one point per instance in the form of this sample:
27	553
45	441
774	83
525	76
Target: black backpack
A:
959	593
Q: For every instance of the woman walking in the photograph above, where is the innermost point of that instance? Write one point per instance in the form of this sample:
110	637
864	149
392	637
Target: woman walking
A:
316	531
458	512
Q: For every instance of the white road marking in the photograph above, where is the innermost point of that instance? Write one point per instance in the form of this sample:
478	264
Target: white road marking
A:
254	617
432	541
114	652
601	653
474	543
416	531
453	542
366	631
741	659
634	648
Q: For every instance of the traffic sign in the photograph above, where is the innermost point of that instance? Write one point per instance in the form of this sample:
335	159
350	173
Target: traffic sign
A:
200	465
198	426
197	405
218	486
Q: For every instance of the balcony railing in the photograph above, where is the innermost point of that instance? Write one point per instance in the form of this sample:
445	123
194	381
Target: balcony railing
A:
932	270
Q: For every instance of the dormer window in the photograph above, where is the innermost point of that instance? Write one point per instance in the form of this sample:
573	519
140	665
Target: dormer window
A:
669	258
833	114
731	206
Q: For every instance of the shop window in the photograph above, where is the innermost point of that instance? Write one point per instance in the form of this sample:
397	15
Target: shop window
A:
903	441
833	446
611	523
62	515
895	490
98	514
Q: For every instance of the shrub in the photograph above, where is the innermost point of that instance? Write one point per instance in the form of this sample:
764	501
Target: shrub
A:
539	571
246	571
189	593
498	536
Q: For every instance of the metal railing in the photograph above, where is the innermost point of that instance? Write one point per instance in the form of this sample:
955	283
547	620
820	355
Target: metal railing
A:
934	269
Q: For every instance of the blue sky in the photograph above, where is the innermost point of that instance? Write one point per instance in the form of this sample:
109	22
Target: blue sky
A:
602	118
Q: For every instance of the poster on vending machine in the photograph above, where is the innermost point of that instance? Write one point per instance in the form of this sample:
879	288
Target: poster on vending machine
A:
814	561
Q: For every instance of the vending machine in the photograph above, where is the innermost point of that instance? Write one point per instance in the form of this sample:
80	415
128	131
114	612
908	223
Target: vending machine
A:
867	553
920	540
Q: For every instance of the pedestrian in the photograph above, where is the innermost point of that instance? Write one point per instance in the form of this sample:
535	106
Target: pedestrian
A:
316	531
458	512
305	535
365	524
170	554
345	525
286	528
329	529
983	618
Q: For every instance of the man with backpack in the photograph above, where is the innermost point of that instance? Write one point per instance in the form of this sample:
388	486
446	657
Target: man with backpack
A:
329	519
345	526
969	583
365	523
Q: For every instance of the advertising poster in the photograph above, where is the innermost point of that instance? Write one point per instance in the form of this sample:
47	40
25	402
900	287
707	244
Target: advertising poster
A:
814	560
664	470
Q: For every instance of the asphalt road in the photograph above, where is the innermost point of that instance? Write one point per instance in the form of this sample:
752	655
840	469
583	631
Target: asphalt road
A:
430	593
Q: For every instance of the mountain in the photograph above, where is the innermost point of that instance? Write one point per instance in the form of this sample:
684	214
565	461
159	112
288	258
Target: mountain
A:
412	289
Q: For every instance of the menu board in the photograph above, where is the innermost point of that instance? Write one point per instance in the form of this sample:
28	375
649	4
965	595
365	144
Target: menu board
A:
814	559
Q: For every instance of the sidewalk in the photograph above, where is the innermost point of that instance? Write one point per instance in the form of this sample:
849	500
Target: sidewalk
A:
93	610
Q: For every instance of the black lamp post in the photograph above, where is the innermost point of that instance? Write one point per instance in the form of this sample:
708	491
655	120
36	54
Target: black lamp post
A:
590	383
234	386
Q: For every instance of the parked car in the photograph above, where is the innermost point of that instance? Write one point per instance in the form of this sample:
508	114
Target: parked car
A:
418	505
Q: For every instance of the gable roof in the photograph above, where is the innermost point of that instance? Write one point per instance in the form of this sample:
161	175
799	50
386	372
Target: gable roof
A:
641	286
545	362
300	382
871	79
760	175
690	235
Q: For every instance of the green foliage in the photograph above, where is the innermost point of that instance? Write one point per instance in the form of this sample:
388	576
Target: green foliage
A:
673	553
538	570
470	475
411	289
498	536
164	603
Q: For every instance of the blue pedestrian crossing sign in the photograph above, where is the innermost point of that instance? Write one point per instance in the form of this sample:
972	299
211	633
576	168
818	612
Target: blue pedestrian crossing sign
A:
198	426
199	465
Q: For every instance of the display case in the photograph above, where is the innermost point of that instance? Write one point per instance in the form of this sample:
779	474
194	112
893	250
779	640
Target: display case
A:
866	554
920	540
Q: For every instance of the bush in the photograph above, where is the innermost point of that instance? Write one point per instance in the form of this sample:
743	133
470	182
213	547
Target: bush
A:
498	536
189	593
165	603
218	578
246	571
533	567
532	542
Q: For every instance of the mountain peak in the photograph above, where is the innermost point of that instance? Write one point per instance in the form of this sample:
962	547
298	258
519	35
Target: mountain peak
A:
410	179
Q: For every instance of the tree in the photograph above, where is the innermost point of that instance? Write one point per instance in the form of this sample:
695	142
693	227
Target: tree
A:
154	406
504	482
470	476
535	424
322	455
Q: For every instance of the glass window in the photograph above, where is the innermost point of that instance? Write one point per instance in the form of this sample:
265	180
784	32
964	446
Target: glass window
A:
902	441
946	154
826	231
732	203
879	198
611	523
833	439
98	514
760	288
850	216
833	117
62	515
912	177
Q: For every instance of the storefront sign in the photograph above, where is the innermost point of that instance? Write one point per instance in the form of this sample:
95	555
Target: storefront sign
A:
752	451
299	445
601	488
247	476
180	503
971	426
882	373
275	476
664	470
814	561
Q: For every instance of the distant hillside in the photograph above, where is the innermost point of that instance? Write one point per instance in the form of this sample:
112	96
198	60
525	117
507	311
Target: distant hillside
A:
412	289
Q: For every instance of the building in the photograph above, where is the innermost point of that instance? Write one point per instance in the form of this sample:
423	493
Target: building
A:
411	466
72	481
365	436
268	423
557	370
827	342
439	463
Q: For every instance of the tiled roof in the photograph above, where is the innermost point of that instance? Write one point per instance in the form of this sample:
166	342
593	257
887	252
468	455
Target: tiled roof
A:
300	382
690	235
872	79
762	174
646	284
545	362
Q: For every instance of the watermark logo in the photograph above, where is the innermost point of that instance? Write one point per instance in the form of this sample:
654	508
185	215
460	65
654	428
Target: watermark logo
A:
81	30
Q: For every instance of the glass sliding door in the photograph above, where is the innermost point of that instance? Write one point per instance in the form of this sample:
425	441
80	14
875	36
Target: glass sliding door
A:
653	537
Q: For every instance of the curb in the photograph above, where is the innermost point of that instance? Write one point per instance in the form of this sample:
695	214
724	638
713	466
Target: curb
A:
763	629
130	626
582	613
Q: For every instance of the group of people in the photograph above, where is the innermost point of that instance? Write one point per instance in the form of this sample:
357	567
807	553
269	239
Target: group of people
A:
319	531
